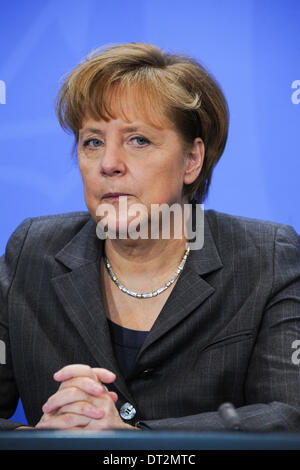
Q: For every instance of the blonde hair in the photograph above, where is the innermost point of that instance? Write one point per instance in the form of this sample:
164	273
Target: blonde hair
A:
167	89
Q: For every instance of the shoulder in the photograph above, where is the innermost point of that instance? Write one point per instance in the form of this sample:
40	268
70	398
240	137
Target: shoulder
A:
54	230
36	237
227	227
71	221
255	249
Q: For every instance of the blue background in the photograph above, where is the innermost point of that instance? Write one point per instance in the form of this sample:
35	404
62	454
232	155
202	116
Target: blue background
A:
252	48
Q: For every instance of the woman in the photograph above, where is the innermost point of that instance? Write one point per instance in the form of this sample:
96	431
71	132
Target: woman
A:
148	333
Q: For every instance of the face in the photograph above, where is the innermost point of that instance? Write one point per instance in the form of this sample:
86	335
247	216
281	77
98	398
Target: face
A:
145	163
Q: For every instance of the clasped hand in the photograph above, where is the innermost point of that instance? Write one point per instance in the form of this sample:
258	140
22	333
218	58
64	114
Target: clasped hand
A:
82	401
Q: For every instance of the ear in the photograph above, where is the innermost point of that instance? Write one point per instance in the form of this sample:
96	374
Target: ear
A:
194	161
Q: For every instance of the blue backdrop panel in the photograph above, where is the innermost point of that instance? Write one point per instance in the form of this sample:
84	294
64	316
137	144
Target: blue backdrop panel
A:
251	47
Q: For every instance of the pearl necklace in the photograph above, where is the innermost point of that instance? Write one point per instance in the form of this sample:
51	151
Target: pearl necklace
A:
147	294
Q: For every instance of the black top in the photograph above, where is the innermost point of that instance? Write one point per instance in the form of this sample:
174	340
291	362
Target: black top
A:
126	344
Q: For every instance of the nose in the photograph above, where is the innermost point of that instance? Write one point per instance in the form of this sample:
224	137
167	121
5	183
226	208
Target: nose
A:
112	160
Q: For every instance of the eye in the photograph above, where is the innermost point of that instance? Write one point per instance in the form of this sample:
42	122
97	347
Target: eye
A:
97	143
142	141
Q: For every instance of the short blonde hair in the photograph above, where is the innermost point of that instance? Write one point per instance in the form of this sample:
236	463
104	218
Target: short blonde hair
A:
167	89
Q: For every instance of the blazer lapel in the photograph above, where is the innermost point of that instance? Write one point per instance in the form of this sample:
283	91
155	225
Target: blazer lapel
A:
191	289
80	294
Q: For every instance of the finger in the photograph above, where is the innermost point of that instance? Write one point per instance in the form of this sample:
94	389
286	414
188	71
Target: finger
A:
114	396
104	375
86	384
64	397
63	421
75	370
89	386
82	408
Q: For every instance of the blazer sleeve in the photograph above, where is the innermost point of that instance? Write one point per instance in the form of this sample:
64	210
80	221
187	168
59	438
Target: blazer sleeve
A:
272	385
9	394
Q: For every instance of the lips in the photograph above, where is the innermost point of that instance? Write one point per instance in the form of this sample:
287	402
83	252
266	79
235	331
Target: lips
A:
114	195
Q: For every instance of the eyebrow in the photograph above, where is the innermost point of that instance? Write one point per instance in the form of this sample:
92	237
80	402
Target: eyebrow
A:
99	132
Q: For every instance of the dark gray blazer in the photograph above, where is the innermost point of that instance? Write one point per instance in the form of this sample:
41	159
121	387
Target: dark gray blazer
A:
226	332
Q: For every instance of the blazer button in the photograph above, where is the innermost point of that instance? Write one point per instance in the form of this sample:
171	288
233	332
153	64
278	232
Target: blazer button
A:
127	411
147	372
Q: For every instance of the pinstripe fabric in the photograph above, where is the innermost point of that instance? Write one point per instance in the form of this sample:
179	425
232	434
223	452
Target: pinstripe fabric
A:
224	334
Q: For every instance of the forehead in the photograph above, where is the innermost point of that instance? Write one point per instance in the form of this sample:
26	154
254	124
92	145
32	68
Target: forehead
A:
130	105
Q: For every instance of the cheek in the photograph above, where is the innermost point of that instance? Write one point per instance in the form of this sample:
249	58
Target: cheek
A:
164	186
168	171
171	176
88	178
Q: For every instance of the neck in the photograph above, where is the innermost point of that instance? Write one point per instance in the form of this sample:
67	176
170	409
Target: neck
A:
135	258
146	261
